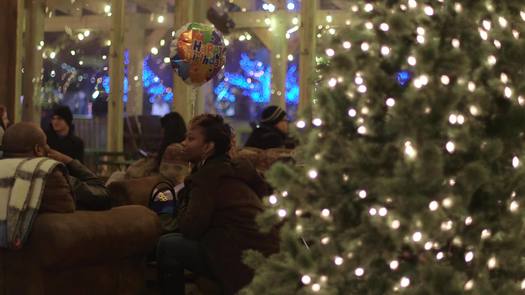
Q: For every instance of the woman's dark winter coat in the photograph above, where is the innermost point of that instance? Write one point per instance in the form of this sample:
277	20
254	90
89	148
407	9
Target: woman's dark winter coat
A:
220	201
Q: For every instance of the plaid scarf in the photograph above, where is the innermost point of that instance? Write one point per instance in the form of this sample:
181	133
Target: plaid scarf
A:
22	182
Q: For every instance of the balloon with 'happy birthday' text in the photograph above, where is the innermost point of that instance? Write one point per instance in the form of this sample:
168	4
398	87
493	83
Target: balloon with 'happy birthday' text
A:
197	53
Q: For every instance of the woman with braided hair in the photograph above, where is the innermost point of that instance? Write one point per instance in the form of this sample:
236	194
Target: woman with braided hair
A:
216	213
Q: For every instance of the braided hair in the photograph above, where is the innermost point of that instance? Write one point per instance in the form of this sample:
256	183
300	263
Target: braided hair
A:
216	131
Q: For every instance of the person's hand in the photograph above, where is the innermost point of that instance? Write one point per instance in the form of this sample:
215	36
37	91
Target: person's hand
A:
58	156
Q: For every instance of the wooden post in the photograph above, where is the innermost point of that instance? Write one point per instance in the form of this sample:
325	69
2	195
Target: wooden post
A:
8	54
279	59
200	9
182	93
115	132
16	113
32	78
135	41
307	58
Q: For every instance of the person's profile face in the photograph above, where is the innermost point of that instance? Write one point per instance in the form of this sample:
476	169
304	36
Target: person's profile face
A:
58	123
194	147
282	126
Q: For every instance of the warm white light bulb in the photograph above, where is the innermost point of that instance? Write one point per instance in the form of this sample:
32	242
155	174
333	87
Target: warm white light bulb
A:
395	224
281	213
468	220
507	92
306	279
469	256
383	211
445	80
447	202
411	61
502	22
352	113
483	34
347	45
365	46
474	110
405	282
362	194
372	211
409	150
417	236
440	255
446	225
492	262
330	52
359	272
338	260
469	285
390	102
272	199
455	43
491	60
384	27
316	287
317	122
429	10
385	50
450	146
485	234
300	124
515	162
487	25
433	206
325	212
514	206
394	264
312	173
504	78
332	82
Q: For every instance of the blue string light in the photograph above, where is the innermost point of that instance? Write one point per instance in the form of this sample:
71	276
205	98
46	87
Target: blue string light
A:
254	82
152	83
403	77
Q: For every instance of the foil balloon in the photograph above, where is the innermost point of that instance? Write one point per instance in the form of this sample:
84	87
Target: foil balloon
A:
197	53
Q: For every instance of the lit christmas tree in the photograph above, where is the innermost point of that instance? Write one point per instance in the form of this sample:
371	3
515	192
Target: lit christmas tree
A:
410	179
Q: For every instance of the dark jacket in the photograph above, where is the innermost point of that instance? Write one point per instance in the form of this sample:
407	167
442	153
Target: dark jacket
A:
223	198
89	191
70	144
267	136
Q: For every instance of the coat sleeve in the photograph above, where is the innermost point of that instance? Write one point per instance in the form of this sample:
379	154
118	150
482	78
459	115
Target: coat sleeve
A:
195	219
57	196
88	189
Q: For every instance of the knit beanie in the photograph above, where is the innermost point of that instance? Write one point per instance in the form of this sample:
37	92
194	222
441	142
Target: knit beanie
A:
65	113
272	115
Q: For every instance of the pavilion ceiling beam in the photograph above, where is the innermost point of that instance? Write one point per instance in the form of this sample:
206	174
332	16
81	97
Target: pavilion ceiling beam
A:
243	20
152	6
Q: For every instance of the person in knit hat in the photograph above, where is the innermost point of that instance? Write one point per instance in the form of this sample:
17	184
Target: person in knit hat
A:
60	135
272	130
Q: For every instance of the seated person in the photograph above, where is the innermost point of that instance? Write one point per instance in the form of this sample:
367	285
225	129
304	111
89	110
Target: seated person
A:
61	135
272	131
27	140
216	214
167	162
